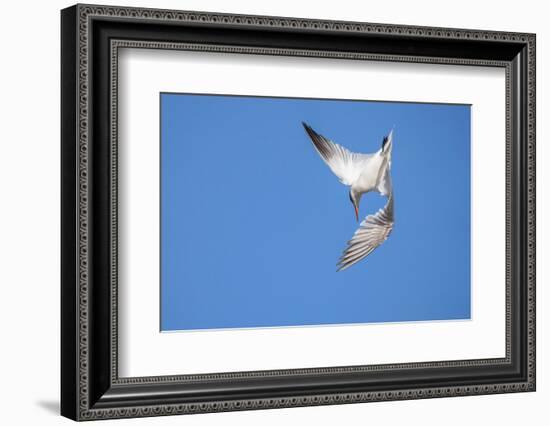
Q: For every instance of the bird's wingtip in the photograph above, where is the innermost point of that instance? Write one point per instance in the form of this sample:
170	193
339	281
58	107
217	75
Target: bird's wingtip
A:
309	130
341	266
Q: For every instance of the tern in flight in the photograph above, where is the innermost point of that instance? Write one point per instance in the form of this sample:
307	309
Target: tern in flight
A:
362	173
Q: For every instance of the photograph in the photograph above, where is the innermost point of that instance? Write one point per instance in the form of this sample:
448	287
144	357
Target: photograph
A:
279	212
275	213
271	210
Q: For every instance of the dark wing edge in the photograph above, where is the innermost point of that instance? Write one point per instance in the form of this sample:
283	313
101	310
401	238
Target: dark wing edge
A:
322	144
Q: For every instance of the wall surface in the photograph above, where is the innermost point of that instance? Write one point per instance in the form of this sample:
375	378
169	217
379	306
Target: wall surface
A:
29	229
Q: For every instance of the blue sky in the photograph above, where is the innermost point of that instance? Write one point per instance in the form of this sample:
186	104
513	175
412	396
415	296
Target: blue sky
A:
253	221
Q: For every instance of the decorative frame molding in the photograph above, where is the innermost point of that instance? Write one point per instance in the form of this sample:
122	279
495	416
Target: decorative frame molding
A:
91	388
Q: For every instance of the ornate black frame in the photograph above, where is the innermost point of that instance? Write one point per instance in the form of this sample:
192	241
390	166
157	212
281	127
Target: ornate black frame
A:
91	37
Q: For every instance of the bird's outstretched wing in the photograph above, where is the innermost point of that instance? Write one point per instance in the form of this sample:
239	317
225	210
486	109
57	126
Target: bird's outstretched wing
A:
372	232
346	165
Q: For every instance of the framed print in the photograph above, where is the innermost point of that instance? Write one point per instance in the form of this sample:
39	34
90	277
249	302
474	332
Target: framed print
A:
263	212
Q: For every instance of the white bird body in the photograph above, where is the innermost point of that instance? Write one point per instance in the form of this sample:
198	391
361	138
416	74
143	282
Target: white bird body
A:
362	173
373	176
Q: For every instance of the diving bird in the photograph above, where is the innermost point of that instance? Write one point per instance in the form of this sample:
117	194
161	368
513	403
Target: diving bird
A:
362	173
